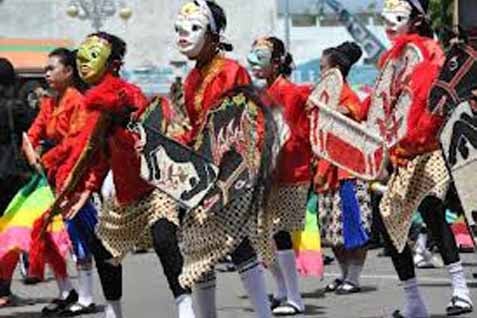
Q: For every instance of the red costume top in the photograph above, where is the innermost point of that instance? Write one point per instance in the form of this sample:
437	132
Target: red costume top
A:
330	175
204	86
116	151
57	123
423	127
293	165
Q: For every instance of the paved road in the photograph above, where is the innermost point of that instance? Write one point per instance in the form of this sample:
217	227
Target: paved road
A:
146	294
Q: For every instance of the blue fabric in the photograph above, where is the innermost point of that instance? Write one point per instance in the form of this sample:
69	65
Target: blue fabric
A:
80	229
353	232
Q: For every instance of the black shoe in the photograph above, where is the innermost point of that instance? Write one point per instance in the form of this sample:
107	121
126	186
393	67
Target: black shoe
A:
332	287
347	288
459	306
28	280
397	314
286	309
275	302
77	309
327	260
57	305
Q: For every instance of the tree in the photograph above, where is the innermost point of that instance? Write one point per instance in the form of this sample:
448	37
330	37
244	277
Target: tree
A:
441	13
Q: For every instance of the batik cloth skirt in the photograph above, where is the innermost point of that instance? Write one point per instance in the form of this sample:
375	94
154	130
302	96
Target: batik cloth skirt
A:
207	236
408	186
122	227
286	207
346	215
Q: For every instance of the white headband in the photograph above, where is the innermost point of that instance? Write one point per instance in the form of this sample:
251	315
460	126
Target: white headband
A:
203	5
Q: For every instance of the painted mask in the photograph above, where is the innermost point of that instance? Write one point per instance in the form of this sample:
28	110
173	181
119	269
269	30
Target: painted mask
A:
397	15
92	59
191	28
260	58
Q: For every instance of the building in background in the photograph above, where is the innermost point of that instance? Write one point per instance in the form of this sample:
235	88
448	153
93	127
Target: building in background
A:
150	31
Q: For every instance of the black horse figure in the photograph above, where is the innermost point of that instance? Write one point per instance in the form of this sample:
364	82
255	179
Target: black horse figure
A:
231	155
456	85
464	132
457	81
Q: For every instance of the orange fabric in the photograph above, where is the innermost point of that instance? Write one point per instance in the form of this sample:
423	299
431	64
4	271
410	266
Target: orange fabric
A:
293	164
58	122
204	86
330	175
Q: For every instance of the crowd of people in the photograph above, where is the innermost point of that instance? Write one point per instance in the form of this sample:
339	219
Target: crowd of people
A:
63	154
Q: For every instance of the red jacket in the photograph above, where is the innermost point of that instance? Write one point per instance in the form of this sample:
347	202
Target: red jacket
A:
58	122
293	164
204	86
117	152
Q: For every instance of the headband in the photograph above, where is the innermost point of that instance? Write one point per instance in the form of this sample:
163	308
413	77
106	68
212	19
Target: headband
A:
203	5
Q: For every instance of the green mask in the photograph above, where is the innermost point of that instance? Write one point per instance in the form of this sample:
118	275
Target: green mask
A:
92	59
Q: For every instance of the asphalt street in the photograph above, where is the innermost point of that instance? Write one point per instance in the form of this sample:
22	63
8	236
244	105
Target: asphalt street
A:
146	294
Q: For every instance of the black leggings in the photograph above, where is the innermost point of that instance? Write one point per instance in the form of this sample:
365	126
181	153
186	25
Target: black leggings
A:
283	241
166	247
164	235
433	212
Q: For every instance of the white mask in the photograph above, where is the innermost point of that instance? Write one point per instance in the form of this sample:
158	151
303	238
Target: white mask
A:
397	15
191	28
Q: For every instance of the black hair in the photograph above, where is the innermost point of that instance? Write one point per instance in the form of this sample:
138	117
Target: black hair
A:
221	23
420	22
281	56
344	56
7	72
118	49
68	58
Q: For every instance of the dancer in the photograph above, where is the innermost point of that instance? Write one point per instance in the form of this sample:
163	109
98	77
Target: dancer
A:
139	213
210	236
344	204
58	119
420	179
270	61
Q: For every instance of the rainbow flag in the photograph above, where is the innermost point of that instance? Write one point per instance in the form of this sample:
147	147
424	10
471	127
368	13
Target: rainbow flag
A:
27	206
307	243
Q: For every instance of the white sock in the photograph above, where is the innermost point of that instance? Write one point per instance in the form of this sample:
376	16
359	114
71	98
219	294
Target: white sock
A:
414	304
113	309
85	288
204	296
64	287
421	243
253	280
459	284
290	273
354	273
281	292
184	306
344	270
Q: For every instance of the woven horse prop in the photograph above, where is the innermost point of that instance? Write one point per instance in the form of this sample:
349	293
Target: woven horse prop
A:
452	97
362	148
232	153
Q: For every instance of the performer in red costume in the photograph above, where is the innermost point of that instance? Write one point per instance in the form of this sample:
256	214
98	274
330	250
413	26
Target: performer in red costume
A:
139	213
59	117
344	201
420	179
271	62
199	27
